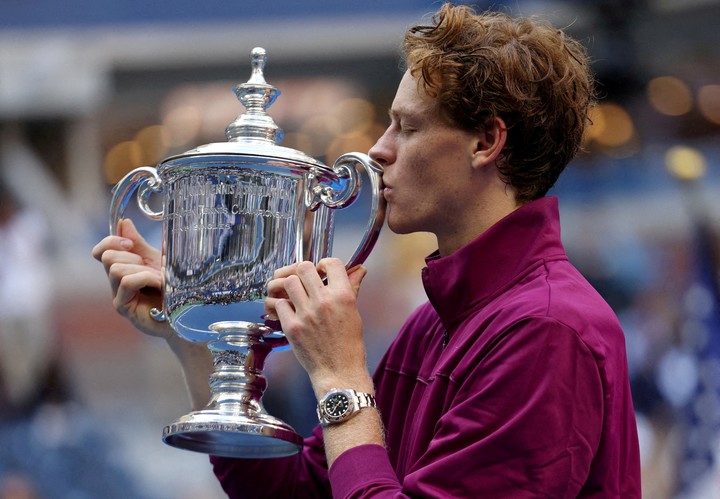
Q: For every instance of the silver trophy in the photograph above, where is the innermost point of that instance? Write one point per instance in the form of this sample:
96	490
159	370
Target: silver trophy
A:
233	213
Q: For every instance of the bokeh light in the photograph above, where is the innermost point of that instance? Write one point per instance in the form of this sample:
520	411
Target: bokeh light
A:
709	102
669	96
685	163
153	141
120	159
611	126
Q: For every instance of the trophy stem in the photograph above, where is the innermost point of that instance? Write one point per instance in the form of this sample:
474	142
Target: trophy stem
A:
235	423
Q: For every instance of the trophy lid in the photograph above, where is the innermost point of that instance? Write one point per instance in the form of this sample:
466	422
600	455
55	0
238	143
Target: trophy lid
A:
254	133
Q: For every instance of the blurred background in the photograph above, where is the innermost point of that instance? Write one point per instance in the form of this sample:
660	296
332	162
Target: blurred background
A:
90	89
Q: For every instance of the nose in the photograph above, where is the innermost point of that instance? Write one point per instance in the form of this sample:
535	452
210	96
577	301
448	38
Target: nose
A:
382	151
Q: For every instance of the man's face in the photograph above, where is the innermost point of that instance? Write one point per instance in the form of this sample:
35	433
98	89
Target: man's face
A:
427	165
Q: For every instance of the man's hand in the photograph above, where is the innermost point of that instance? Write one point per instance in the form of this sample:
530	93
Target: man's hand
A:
134	271
322	322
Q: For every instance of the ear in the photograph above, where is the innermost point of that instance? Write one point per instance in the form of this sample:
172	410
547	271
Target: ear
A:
490	143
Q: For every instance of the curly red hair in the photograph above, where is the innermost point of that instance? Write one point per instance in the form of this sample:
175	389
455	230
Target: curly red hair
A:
533	76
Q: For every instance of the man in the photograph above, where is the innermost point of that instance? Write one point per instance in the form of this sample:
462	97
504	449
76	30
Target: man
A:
512	380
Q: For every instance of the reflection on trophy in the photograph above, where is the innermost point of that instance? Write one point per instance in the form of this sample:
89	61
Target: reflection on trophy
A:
233	213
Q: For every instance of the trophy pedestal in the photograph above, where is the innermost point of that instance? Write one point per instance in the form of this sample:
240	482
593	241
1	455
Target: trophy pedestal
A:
234	423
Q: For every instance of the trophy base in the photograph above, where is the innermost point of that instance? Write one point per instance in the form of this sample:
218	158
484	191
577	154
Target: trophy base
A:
235	423
233	435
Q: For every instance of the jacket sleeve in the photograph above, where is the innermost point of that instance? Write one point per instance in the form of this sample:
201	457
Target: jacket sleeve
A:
303	475
523	421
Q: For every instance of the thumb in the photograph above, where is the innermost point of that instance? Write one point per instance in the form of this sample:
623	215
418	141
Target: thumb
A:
128	230
356	276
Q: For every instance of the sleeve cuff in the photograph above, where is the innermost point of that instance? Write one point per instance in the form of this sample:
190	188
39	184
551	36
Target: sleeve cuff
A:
361	468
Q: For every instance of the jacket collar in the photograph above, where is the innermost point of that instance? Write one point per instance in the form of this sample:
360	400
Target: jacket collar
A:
471	276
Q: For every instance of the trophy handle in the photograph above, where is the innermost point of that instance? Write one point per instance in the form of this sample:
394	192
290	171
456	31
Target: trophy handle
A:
147	182
345	167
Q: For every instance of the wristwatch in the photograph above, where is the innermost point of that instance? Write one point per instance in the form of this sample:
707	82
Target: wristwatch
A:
339	405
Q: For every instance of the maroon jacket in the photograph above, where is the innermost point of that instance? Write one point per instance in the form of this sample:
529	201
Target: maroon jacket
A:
510	382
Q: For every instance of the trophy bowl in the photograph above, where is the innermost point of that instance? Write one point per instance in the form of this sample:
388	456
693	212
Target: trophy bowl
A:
233	213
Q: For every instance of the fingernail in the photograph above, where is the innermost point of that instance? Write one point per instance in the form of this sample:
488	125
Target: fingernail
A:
126	243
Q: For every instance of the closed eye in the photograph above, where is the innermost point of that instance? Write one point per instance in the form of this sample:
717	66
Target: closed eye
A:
407	128
401	122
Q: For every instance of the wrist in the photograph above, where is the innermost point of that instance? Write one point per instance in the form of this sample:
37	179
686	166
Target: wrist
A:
361	382
184	348
364	428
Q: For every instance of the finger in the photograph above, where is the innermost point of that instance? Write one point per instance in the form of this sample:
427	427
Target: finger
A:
285	271
276	288
296	292
110	257
118	272
131	284
270	305
127	229
288	319
335	271
310	278
111	243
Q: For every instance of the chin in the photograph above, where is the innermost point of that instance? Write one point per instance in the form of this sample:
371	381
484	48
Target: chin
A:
402	227
411	222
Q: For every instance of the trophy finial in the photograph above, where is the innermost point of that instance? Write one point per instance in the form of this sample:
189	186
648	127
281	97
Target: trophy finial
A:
258	60
256	95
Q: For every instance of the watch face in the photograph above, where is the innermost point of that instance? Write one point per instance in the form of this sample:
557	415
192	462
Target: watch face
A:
337	405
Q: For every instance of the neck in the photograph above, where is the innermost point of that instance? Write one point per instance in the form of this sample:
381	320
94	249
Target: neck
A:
486	212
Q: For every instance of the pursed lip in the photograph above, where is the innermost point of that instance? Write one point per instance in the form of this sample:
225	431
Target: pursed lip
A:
387	192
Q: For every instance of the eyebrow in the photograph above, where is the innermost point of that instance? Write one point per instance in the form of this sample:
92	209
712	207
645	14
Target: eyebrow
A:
401	112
